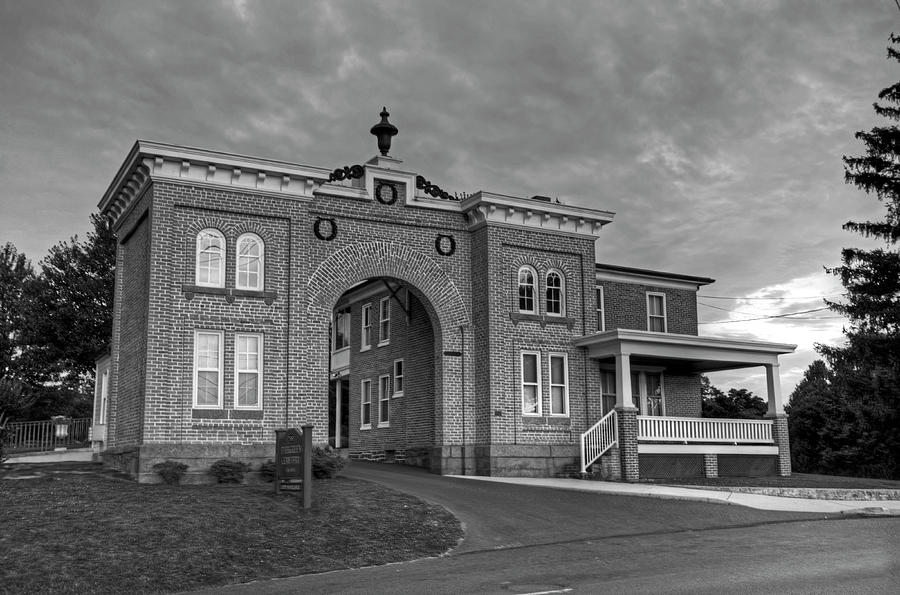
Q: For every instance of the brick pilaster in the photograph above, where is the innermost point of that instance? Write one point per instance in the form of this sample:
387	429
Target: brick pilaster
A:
628	446
711	465
780	435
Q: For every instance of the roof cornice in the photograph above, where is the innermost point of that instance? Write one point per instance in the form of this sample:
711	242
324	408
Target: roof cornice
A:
483	208
149	160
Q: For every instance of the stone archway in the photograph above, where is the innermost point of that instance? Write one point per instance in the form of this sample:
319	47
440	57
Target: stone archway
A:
450	321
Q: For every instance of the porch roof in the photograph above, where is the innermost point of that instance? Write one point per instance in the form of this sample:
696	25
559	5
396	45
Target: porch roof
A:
687	353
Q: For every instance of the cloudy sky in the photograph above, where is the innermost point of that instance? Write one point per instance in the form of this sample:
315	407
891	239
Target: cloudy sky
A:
714	130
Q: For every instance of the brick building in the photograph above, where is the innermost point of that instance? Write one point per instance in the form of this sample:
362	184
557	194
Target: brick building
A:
468	335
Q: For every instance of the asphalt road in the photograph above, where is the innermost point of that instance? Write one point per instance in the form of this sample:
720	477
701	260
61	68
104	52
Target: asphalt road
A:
540	540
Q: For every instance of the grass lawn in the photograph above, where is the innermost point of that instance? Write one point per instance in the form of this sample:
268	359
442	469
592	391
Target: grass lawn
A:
69	532
796	480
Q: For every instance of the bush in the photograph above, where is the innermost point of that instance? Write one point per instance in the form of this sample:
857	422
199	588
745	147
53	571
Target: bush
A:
267	470
229	471
170	471
326	463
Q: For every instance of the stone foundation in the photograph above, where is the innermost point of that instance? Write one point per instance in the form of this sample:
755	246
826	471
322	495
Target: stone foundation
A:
138	461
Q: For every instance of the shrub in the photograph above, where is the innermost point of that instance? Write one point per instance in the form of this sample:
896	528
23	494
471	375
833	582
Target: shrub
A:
229	471
326	463
267	470
170	471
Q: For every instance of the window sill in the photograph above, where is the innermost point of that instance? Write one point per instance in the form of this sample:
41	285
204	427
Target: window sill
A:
227	414
365	348
397	395
365	427
542	319
387	425
545	420
383	343
190	291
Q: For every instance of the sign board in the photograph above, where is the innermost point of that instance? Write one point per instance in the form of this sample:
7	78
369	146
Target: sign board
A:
289	454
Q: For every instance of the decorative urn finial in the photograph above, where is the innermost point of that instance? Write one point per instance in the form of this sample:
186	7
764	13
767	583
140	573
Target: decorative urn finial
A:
383	131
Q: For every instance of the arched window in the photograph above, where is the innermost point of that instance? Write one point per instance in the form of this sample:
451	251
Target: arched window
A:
556	292
526	290
210	258
250	262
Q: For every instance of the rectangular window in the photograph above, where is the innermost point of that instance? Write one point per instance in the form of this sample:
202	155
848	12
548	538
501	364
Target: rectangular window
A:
342	328
384	401
559	384
601	320
208	366
531	384
384	321
656	312
366	339
607	391
365	411
398	377
248	371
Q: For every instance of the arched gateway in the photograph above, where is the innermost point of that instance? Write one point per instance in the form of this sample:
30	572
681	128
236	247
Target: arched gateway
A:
468	334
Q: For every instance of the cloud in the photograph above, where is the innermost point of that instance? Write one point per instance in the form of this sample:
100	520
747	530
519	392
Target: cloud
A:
714	130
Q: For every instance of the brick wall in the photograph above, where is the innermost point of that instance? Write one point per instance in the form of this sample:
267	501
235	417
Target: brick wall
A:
130	325
412	414
626	307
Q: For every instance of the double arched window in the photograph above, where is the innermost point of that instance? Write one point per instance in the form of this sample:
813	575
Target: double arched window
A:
527	288
250	262
210	260
528	292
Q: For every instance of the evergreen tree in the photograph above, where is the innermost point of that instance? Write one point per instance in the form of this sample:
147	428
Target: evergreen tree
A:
866	371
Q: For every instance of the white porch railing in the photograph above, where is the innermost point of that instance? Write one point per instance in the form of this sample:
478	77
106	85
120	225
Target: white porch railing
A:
697	429
601	437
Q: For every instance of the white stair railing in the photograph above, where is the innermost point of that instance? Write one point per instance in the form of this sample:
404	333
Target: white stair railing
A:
601	437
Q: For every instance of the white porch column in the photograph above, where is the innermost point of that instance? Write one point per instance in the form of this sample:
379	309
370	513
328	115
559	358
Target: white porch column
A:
623	380
773	387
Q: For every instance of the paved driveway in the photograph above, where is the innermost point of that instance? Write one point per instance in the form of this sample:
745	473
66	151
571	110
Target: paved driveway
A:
529	540
497	515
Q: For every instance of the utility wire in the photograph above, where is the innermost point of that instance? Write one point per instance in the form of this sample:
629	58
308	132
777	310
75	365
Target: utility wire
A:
787	315
811	297
741	311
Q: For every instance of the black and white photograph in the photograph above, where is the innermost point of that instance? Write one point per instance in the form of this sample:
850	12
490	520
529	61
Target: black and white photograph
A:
486	296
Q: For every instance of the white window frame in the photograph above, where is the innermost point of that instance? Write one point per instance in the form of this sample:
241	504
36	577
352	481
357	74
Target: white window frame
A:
564	385
260	281
562	293
198	250
537	384
258	371
339	315
384	401
534	290
664	316
365	320
601	308
610	375
640	389
402	378
104	397
365	403
220	369
384	322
